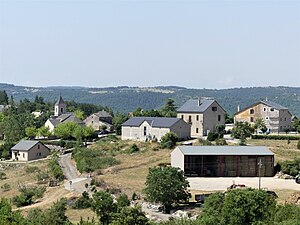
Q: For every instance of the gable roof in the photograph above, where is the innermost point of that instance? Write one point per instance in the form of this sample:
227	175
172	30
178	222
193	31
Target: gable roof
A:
273	105
153	121
225	150
24	145
267	103
193	105
60	101
63	118
102	114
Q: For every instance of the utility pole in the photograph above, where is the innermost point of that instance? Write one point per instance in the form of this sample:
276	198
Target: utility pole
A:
259	175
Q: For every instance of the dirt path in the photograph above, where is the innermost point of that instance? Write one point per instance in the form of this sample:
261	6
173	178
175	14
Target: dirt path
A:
75	182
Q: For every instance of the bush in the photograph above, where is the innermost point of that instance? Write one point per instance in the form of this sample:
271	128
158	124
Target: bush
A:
291	167
32	169
5	187
204	142
42	177
212	136
82	202
88	160
56	170
168	140
221	141
298	145
28	194
98	183
133	148
2	176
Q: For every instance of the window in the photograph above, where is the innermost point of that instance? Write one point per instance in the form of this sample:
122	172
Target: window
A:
38	146
267	118
251	111
23	155
61	109
197	117
251	119
181	116
145	131
197	130
190	119
265	109
284	119
214	108
219	117
272	109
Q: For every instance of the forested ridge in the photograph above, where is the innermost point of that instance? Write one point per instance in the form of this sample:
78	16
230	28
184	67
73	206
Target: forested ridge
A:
126	99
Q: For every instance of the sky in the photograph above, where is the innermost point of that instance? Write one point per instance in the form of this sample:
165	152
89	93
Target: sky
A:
196	44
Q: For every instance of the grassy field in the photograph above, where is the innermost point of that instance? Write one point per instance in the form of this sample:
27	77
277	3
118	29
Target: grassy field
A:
281	148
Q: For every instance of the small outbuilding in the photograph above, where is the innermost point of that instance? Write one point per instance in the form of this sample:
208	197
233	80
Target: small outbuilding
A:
149	128
27	150
223	161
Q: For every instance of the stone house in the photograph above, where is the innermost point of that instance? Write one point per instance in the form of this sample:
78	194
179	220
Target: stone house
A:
96	120
223	161
61	116
147	128
27	150
276	117
203	115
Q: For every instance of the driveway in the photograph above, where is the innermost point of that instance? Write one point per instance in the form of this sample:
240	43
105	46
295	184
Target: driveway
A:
75	181
221	183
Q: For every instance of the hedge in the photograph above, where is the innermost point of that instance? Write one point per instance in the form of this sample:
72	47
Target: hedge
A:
276	137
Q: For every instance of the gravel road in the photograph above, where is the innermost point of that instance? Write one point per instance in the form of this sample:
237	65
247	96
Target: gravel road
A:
74	181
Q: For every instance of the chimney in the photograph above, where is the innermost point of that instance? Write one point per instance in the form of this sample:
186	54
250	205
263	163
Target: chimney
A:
199	101
238	108
266	99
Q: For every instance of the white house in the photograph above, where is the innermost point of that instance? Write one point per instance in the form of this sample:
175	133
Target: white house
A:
27	150
147	128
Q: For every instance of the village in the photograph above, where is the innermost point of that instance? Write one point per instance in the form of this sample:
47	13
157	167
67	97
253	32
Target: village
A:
80	158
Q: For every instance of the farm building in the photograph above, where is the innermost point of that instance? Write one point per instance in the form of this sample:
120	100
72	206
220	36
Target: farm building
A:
223	161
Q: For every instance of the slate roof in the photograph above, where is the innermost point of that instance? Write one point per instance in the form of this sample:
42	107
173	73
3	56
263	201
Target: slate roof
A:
193	105
273	105
24	145
153	121
225	150
63	118
103	114
60	101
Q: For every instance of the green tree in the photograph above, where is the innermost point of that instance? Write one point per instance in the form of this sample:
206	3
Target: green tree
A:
118	120
260	125
130	216
167	186
287	214
168	140
104	206
122	201
79	114
3	98
241	131
65	130
44	131
169	109
8	217
31	132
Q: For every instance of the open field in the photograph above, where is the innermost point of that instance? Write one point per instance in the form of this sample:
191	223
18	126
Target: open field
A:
281	148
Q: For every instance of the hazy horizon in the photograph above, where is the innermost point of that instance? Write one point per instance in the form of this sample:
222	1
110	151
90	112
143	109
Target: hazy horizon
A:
192	44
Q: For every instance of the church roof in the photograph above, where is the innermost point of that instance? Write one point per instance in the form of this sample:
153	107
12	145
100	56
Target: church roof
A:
60	101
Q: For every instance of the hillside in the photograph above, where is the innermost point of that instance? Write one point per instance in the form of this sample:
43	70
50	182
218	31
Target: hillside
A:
126	99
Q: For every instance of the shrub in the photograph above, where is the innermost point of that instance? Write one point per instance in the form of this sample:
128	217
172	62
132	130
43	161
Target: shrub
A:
204	142
28	194
133	148
291	167
5	187
98	183
56	170
221	141
2	176
212	136
32	169
168	140
42	177
298	145
82	202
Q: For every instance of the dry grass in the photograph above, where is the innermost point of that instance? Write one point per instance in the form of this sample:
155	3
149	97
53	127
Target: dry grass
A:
130	174
75	215
281	148
16	174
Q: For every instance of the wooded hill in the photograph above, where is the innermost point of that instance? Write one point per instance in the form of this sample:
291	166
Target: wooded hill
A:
126	99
